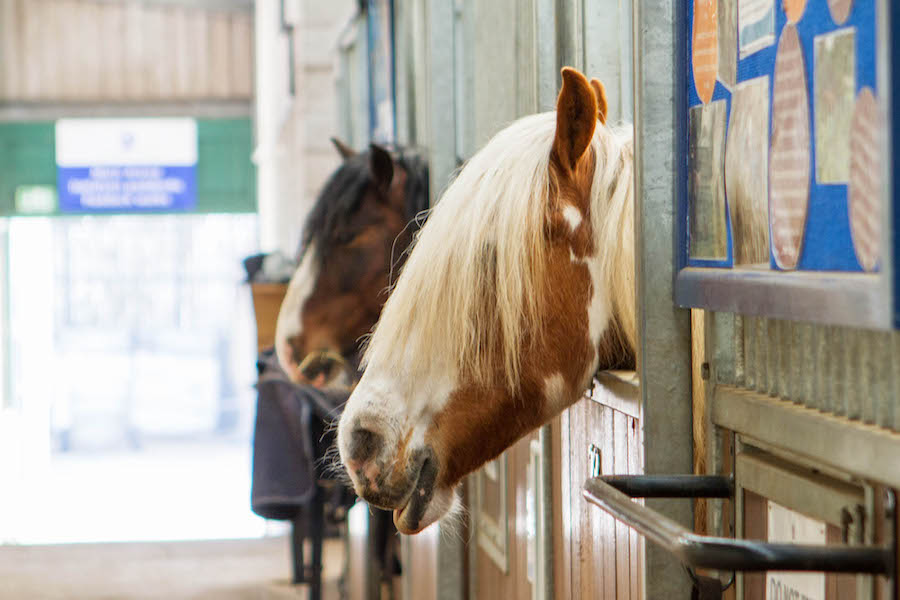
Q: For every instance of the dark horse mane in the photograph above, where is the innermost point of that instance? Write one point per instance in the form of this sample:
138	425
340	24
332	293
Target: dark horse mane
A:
342	194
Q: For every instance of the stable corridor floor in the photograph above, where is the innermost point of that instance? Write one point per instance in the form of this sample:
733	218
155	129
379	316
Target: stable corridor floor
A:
256	569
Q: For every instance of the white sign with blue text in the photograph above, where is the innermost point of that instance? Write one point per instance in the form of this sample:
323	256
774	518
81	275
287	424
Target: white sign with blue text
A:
126	165
789	527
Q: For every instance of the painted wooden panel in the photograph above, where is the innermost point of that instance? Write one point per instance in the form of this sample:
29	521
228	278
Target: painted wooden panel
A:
29	52
491	581
181	41
89	51
133	48
220	55
595	556
154	57
562	513
112	59
198	50
10	44
241	46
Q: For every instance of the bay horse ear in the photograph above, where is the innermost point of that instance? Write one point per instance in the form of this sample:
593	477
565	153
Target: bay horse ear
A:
576	118
602	104
343	149
381	166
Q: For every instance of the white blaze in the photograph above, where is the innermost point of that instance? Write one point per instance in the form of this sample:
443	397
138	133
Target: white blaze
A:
572	216
289	325
599	307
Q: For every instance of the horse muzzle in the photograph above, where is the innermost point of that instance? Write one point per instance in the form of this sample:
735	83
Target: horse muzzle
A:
403	482
324	369
321	366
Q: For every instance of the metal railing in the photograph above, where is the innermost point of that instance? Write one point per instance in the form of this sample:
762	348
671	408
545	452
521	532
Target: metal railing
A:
725	554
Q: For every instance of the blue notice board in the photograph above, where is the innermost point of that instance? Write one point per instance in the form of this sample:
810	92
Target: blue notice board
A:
785	208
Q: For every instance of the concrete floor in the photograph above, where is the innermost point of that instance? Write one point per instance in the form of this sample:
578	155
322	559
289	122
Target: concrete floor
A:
207	570
166	490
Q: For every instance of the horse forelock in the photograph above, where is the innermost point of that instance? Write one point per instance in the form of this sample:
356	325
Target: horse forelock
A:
343	193
478	263
414	162
339	199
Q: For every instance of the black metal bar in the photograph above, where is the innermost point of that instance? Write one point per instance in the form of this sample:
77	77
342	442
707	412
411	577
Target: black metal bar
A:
672	486
297	529
317	535
728	554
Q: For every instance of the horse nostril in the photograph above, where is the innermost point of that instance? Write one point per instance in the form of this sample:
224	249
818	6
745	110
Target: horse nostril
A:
364	444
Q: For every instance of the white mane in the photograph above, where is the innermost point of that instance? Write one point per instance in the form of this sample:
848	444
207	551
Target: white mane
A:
467	297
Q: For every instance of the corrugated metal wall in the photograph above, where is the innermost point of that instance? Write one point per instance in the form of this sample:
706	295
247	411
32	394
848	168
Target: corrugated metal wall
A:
838	370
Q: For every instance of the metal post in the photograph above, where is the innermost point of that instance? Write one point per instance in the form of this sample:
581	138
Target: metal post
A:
316	534
442	116
297	530
664	349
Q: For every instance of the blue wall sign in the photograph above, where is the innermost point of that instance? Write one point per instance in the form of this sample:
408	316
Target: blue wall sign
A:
126	165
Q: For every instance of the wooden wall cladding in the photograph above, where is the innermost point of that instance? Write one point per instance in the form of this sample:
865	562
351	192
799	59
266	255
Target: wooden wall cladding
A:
491	581
90	51
595	556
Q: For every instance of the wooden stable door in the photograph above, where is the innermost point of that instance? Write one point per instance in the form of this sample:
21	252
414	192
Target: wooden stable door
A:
596	556
593	555
500	554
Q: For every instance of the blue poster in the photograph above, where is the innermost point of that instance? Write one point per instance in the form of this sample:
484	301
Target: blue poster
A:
801	167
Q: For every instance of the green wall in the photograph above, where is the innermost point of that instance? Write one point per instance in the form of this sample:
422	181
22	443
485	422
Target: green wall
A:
226	179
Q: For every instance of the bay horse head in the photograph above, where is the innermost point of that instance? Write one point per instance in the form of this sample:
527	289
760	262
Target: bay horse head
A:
519	286
354	238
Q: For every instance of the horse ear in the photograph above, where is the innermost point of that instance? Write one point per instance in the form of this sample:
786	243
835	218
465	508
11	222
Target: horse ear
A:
576	118
343	149
602	104
381	166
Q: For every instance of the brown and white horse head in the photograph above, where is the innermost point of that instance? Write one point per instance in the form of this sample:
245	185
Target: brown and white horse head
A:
518	287
354	236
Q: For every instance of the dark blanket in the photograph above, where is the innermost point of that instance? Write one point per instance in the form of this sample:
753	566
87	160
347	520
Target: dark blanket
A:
294	430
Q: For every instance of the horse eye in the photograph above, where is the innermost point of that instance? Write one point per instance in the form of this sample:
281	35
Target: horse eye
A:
345	237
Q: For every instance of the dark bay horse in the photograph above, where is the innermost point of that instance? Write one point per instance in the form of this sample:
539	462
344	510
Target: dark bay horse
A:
354	239
519	286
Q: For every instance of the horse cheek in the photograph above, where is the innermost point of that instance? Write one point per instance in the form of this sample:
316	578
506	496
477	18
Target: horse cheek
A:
352	270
